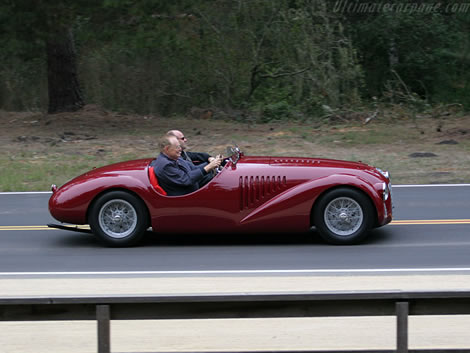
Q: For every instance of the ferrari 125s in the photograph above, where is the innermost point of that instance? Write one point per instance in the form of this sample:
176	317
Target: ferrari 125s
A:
342	200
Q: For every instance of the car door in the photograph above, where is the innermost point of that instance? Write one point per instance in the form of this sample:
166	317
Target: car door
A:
211	208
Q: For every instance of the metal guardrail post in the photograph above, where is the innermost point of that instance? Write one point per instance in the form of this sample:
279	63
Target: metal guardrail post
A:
241	305
402	310
103	318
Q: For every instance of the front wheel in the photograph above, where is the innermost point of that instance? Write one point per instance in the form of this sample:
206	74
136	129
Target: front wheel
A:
118	218
343	216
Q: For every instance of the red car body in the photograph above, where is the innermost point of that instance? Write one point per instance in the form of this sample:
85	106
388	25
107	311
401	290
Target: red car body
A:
253	194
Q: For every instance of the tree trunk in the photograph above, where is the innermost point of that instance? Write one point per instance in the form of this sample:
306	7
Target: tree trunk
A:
64	90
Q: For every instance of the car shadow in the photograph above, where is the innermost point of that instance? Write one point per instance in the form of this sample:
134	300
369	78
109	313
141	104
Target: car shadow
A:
376	236
166	239
379	236
71	239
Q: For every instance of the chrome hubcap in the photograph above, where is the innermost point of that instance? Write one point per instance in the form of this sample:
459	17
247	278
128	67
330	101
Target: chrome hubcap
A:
343	216
117	218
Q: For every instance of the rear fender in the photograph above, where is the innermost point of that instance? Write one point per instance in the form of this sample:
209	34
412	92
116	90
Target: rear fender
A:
116	188
70	203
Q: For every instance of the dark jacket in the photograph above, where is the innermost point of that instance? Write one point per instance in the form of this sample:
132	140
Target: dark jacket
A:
196	157
178	177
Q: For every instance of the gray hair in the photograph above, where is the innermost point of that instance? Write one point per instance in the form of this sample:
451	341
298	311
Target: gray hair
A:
164	141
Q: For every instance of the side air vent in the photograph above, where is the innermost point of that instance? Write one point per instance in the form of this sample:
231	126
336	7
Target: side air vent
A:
255	189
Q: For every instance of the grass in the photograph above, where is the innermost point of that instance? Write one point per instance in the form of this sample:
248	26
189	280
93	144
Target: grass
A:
29	171
32	173
35	164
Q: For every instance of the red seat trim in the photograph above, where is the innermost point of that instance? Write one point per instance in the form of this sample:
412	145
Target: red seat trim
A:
154	181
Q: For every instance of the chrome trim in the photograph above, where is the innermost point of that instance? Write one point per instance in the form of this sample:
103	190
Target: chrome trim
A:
385	191
384	173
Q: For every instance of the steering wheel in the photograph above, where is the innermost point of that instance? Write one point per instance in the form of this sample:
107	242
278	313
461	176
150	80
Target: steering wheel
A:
221	166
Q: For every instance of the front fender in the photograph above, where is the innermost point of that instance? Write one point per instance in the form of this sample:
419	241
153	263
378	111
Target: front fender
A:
291	210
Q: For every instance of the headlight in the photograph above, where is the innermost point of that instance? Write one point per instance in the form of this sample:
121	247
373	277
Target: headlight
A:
385	191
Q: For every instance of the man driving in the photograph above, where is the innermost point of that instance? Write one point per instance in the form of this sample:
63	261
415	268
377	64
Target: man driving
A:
176	175
193	157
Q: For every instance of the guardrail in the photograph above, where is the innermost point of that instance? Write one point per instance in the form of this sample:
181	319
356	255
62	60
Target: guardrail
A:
211	306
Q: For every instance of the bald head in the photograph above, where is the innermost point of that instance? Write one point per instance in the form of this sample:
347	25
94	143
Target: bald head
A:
174	133
180	136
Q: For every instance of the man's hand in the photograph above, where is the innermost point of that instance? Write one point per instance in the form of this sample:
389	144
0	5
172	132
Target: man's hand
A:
214	163
210	159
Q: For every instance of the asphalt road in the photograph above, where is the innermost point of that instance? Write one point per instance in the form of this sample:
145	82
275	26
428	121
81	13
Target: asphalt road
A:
433	245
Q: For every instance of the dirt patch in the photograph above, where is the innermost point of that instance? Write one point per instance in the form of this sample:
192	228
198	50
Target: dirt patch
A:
63	145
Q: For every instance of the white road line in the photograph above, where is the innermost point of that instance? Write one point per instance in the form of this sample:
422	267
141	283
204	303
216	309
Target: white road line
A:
25	192
394	186
243	272
430	185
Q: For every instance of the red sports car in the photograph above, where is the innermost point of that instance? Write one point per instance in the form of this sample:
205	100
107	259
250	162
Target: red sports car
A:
342	200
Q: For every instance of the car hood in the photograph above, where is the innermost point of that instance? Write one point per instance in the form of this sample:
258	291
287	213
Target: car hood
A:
311	162
318	162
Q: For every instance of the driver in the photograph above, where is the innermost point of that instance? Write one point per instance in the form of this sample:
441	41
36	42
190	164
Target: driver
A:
176	175
195	158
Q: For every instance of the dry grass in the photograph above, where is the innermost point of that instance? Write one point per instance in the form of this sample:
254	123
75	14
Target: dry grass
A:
40	149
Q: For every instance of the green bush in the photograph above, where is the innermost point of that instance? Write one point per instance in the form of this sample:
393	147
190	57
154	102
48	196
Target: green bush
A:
283	59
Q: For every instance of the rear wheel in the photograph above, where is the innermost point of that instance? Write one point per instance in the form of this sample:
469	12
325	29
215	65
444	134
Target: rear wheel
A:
118	218
343	216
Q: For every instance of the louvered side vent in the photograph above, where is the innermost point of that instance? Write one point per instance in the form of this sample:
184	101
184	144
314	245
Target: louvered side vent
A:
256	189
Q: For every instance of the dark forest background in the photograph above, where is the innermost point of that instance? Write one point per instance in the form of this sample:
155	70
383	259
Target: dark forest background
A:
277	59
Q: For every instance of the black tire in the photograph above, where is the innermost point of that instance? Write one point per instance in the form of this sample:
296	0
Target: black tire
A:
118	219
343	216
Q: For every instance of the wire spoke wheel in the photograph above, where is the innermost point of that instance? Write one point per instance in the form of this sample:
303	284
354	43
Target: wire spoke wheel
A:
343	216
117	218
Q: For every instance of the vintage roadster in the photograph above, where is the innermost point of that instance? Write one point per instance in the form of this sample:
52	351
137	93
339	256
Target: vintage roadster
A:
341	200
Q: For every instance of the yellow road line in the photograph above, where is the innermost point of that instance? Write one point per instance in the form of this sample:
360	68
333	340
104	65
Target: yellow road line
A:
393	223
40	227
430	221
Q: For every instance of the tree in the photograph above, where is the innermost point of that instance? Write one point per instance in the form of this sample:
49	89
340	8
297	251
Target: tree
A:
51	25
63	86
416	46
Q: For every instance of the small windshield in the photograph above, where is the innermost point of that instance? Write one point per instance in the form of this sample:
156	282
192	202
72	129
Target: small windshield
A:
234	153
